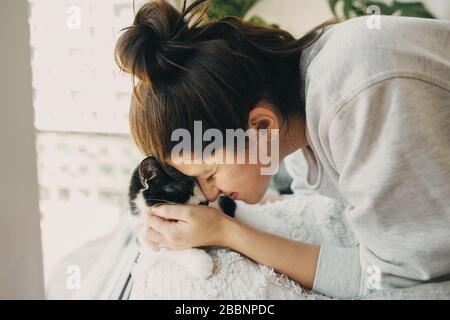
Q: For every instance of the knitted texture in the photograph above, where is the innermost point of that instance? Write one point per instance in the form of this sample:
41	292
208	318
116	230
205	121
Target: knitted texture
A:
312	219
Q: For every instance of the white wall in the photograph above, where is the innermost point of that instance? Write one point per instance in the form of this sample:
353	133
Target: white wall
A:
21	275
299	16
441	8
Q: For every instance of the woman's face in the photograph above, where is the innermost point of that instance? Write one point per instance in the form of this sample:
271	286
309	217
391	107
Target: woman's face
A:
247	182
238	181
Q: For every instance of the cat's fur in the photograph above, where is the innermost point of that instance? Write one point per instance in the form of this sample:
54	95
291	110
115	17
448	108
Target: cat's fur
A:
151	184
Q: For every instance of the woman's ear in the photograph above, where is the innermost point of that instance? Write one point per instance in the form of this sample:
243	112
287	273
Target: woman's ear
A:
263	116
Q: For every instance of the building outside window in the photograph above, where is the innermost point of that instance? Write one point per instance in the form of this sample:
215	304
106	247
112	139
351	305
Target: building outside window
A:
81	101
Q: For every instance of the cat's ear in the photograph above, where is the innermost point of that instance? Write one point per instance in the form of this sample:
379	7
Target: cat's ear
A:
147	171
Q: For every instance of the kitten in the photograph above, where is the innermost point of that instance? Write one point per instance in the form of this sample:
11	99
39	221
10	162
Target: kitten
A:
151	184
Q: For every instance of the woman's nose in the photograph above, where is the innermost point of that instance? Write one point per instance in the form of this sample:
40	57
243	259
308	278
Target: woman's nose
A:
211	192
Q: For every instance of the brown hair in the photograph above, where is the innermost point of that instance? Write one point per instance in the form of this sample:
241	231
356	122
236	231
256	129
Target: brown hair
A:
214	72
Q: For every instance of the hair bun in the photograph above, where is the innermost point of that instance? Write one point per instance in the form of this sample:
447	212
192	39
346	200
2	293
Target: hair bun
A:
156	45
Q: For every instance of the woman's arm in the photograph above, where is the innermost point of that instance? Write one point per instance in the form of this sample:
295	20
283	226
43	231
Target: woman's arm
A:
182	227
296	260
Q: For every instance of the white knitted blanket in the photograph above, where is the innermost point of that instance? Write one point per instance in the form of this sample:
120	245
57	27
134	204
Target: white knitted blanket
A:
313	219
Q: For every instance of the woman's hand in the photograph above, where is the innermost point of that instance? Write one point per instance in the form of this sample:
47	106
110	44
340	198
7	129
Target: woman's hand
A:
185	226
182	227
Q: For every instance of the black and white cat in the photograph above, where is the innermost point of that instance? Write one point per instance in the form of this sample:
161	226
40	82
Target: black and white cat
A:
151	184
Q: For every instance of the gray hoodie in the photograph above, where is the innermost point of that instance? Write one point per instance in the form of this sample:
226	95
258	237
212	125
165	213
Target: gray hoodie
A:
378	125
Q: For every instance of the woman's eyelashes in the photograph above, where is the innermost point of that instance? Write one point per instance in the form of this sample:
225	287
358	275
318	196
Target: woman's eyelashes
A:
211	176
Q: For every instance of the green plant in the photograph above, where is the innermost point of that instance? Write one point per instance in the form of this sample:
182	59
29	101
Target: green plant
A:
238	8
360	7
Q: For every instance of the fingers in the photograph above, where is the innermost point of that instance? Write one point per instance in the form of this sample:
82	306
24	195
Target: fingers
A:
154	239
161	230
159	224
143	240
172	212
151	235
153	245
168	226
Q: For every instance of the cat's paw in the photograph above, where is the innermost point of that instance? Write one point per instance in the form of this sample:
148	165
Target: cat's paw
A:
198	262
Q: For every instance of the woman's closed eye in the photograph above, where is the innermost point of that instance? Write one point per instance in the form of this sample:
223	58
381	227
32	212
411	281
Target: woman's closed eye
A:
211	176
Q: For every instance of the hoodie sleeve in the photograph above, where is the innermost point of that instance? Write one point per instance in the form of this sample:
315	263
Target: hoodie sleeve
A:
391	147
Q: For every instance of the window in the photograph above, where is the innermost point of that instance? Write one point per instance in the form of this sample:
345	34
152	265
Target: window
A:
85	153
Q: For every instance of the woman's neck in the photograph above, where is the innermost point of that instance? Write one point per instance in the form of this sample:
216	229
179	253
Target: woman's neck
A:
293	137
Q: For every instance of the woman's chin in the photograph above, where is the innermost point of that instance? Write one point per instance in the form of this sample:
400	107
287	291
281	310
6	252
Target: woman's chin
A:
249	200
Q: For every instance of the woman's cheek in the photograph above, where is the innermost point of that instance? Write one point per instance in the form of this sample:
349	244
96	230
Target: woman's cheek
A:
257	190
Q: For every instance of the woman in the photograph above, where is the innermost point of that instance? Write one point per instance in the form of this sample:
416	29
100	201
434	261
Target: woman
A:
369	108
